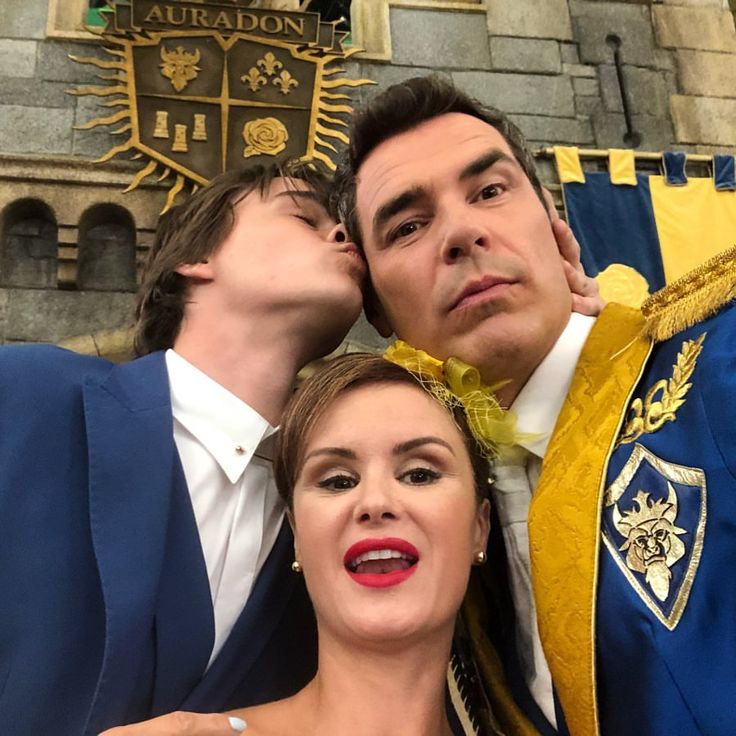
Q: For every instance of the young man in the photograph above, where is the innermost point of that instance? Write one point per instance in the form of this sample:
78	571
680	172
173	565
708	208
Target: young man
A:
145	565
441	194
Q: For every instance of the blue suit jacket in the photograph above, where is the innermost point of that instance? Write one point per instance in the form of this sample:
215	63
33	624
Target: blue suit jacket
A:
105	613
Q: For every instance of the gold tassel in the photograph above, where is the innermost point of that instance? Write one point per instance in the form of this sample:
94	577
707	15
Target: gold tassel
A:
692	298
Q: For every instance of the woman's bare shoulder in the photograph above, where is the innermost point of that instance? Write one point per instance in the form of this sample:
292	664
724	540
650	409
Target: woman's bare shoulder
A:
278	718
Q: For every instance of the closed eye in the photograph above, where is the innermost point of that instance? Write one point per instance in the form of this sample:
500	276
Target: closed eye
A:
305	218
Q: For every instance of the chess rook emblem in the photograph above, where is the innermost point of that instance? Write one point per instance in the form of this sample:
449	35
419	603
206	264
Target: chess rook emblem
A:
653	525
198	89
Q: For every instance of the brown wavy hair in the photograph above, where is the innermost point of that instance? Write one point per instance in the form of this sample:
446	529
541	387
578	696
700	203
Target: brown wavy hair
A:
190	233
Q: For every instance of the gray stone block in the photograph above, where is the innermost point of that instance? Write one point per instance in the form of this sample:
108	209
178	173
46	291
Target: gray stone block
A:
631	23
26	129
554	131
707	74
525	55
17	58
585	87
55	65
609	128
24	18
528	94
587	105
95	142
704	120
47	315
530	19
439	39
646	89
385	75
15	91
3	313
579	70
569	53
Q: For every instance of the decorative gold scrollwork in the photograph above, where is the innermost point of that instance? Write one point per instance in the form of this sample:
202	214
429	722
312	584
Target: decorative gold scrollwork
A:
284	81
264	136
649	416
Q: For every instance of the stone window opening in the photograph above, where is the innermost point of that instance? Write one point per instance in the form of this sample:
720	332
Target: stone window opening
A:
106	250
28	245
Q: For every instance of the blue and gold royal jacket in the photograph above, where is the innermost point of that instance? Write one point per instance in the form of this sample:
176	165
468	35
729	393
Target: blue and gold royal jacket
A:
633	524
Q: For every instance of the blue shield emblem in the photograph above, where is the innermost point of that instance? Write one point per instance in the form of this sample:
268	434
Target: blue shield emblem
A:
654	517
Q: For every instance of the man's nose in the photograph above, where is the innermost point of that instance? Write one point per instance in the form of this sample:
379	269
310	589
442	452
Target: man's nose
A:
462	231
338	234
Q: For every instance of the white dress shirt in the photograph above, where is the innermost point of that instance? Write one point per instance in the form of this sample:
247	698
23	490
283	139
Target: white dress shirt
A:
516	475
236	504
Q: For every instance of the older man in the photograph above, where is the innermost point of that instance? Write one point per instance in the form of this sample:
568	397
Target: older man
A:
630	594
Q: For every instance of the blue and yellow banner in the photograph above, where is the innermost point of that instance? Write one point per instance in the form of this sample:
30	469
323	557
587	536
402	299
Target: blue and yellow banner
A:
639	232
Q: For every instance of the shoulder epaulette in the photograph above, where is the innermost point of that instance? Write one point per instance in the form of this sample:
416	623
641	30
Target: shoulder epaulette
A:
692	298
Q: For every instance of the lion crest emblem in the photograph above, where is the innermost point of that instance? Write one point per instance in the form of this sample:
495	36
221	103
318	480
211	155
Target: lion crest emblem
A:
654	516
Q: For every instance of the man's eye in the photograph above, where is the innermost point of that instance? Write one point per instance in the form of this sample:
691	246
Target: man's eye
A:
338	482
490	191
420	476
404	230
305	218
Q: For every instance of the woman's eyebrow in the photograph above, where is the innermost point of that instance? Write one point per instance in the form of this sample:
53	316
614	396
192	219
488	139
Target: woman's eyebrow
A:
409	445
331	452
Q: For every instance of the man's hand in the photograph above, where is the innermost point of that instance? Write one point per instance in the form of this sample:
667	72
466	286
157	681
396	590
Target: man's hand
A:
183	724
586	297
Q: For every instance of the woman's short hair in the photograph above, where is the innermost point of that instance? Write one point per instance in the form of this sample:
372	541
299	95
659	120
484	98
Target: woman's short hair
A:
190	233
318	393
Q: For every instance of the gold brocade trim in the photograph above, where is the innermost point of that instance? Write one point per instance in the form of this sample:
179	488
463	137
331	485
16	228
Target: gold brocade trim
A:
686	476
649	416
508	717
564	518
692	298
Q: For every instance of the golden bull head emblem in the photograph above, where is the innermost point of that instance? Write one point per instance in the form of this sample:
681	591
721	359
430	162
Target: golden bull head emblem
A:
179	66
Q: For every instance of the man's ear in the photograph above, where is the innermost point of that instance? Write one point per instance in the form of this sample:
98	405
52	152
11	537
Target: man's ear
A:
375	313
201	271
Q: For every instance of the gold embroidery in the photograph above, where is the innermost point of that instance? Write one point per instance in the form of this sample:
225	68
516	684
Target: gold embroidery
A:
693	477
179	66
652	546
622	284
649	416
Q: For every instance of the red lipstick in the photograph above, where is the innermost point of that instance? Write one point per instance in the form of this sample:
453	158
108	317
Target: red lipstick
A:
360	553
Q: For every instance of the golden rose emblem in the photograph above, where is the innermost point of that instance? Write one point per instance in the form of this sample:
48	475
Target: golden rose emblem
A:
622	284
265	136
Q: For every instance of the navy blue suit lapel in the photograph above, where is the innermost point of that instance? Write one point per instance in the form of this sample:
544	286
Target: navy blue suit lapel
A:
185	625
131	461
275	590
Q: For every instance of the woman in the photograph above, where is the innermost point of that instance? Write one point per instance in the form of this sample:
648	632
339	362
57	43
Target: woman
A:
387	502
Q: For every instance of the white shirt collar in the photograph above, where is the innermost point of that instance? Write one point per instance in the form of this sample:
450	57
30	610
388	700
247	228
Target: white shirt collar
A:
539	402
227	427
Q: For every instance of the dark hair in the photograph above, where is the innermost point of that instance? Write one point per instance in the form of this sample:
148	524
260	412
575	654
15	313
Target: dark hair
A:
402	107
192	231
321	390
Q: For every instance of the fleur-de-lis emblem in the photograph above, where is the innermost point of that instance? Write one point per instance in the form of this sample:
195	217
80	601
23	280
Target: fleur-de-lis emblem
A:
284	82
253	79
269	63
